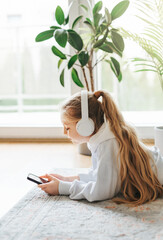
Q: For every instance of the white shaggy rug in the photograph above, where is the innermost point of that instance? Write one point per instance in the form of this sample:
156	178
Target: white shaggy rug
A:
43	217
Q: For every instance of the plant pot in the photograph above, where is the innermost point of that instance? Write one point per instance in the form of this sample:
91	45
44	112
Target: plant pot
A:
83	149
158	132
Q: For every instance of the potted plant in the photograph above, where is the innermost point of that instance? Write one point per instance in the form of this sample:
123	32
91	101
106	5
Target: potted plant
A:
151	40
99	36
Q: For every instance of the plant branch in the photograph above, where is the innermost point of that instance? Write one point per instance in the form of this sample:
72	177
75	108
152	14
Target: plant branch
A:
99	60
91	70
77	65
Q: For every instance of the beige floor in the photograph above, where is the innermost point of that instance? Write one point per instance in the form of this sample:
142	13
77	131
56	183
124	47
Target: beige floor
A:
19	159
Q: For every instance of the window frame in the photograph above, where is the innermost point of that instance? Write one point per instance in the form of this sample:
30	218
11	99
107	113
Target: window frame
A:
24	128
48	125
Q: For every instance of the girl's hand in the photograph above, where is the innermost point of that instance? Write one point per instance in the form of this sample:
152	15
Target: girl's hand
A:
62	178
52	187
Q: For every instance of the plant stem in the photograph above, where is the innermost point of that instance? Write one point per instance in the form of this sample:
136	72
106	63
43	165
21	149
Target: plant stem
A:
91	70
85	78
99	60
78	65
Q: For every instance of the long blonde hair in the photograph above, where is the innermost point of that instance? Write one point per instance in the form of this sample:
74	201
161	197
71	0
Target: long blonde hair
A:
139	183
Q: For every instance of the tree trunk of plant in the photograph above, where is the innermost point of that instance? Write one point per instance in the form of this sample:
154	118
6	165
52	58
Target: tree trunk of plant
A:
91	70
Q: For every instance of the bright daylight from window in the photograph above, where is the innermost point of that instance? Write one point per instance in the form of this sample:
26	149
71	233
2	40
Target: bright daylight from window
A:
29	78
138	91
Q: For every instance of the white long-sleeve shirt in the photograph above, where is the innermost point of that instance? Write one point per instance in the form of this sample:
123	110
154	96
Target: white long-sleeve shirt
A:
102	180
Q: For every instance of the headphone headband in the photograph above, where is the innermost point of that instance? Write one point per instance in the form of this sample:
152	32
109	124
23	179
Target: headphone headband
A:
85	127
84	104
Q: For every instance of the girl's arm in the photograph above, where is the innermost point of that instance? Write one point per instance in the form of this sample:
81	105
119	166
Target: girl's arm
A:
106	183
63	178
105	187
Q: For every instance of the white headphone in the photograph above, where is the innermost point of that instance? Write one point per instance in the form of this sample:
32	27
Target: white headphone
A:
85	127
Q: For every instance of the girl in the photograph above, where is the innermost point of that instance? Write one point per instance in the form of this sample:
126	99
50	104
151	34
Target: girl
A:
120	163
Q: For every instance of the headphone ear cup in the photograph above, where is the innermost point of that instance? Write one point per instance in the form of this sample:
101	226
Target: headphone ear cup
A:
85	127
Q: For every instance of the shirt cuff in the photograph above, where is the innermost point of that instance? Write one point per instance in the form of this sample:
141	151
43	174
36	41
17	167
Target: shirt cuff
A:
64	188
84	177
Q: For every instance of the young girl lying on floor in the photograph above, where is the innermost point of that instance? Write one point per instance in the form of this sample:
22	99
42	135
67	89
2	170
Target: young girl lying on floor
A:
120	162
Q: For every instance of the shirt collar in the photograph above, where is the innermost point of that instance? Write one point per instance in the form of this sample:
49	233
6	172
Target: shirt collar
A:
103	134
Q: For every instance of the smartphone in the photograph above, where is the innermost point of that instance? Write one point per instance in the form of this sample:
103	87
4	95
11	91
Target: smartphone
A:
36	179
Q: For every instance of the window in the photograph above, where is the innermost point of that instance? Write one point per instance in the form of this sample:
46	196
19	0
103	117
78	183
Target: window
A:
138	91
29	78
28	70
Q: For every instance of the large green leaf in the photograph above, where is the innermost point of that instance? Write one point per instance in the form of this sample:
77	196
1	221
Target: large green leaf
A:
107	16
119	9
44	35
61	37
101	41
66	20
76	21
58	53
60	62
89	25
75	40
117	40
89	20
62	77
84	7
72	61
97	7
106	48
83	58
67	14
101	28
96	19
55	27
75	78
120	77
59	15
111	45
115	66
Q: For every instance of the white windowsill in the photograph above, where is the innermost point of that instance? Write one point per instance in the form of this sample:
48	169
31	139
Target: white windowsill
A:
48	125
31	125
144	122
